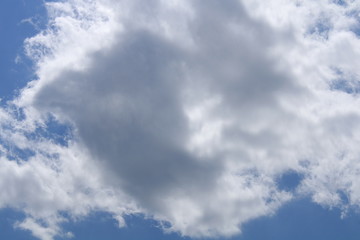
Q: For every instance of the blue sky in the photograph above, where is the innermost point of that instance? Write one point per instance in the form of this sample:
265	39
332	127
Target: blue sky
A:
14	30
182	120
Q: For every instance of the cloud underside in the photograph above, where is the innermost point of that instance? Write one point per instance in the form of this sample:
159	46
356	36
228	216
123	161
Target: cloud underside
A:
184	111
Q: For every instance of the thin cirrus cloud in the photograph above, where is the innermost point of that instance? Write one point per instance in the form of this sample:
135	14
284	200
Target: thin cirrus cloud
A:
184	111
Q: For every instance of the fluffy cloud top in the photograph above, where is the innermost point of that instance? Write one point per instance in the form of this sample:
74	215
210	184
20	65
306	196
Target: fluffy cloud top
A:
185	111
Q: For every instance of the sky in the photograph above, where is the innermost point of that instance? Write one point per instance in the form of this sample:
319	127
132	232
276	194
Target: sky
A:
181	119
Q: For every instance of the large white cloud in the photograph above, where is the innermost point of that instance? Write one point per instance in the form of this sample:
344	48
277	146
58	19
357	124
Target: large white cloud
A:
185	111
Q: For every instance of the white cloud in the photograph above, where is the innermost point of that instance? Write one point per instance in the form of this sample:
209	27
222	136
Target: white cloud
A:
186	112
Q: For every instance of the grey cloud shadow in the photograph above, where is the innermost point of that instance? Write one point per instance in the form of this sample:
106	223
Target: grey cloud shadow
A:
128	113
